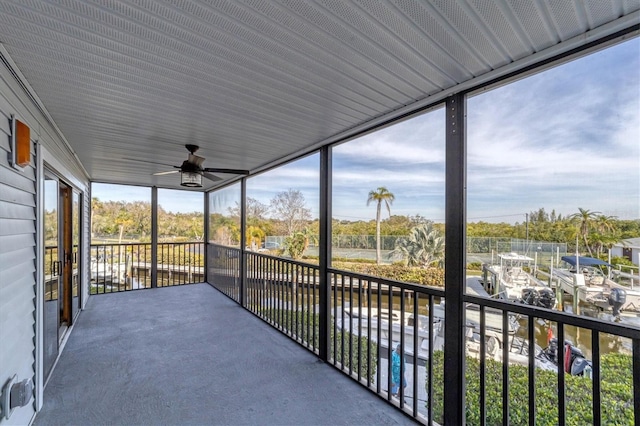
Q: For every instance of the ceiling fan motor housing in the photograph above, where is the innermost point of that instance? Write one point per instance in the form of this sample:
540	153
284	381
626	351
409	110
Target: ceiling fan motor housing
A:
190	167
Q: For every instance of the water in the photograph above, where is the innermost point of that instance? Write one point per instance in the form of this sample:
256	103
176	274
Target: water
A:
579	337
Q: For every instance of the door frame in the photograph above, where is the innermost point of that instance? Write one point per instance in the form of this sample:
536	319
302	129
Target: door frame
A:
79	183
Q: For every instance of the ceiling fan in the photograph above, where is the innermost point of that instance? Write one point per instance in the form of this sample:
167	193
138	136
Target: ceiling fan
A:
191	170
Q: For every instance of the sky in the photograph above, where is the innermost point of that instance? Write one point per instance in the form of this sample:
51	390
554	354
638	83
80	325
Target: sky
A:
563	139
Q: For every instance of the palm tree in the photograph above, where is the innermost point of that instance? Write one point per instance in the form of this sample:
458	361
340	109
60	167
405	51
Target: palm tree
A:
424	246
380	195
608	235
585	219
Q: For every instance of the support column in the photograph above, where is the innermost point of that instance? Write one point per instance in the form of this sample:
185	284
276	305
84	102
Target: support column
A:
205	238
324	253
243	239
455	260
154	236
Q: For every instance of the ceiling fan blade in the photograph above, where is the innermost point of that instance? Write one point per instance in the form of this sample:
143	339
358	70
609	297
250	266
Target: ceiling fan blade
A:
229	171
197	160
165	173
211	176
148	161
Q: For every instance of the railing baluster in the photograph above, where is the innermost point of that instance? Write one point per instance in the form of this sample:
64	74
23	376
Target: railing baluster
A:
111	275
483	366
351	324
285	294
147	277
280	295
430	365
561	369
532	367
379	337
261	291
307	310
289	297
316	288
359	355
294	301
343	324
402	346
416	348
636	380
595	364
272	289
368	333
389	338
332	281
119	273
505	368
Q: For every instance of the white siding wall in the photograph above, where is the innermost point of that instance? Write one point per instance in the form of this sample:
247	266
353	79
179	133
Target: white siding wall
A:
19	258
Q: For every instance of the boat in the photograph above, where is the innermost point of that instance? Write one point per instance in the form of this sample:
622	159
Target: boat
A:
510	280
391	325
575	362
584	279
357	321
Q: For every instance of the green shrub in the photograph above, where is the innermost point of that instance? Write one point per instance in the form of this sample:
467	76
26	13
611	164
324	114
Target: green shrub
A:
474	266
296	323
431	276
616	393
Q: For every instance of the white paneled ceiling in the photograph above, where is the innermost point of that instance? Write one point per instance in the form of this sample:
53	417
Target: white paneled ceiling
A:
255	81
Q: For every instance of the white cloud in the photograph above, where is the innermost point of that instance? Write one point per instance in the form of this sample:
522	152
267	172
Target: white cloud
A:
551	141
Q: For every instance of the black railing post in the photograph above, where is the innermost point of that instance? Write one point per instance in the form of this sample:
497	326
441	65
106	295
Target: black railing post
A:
205	246
455	262
154	236
324	253
243	239
636	380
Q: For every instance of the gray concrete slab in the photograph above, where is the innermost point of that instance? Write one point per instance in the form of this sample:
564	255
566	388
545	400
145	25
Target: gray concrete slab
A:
189	355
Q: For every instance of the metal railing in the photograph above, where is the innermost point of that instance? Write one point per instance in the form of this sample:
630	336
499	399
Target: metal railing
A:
180	263
511	379
223	267
381	314
125	267
284	293
522	350
52	270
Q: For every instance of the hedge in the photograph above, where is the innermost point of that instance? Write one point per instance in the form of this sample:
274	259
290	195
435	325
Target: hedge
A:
297	324
431	276
616	393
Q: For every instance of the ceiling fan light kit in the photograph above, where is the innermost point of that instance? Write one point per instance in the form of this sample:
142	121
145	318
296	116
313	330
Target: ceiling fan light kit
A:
191	179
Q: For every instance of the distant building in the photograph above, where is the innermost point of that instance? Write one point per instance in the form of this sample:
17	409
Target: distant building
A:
629	248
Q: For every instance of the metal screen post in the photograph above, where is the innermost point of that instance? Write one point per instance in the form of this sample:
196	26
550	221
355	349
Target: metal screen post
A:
324	252
454	278
206	236
243	239
154	236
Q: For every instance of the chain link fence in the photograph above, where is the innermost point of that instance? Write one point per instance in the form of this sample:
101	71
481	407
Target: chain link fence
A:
483	249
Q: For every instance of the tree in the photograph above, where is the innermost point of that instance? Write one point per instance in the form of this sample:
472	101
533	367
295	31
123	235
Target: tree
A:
585	220
254	237
297	243
255	209
424	246
380	195
607	232
290	207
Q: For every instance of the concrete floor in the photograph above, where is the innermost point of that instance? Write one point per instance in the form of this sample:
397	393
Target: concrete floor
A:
189	355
